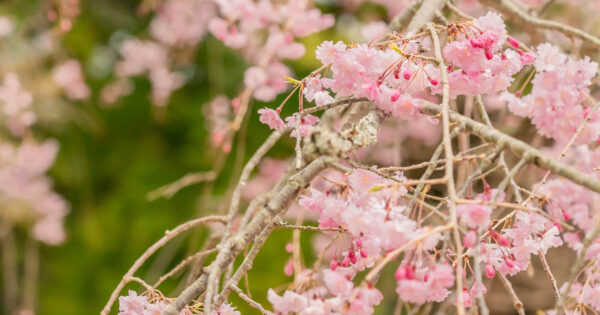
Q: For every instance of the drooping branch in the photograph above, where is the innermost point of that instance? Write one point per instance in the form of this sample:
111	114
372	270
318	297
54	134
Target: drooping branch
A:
152	249
520	148
449	170
400	20
238	242
425	14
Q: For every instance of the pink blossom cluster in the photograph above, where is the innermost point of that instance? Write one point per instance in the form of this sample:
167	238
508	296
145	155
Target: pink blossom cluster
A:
570	202
337	295
588	292
177	24
145	57
16	104
394	82
269	172
510	250
181	23
375	226
265	32
69	77
421	283
27	192
578	206
557	104
483	67
134	304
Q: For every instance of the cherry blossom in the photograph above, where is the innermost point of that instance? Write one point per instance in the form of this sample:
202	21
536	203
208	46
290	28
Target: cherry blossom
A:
557	102
69	76
271	118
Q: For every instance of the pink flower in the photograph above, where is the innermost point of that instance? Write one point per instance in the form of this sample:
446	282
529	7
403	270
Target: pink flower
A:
289	302
591	296
528	58
271	118
312	21
477	286
413	291
470	239
466	299
327	52
181	22
272	83
441	277
254	76
225	309
306	122
313	85
16	104
323	98
556	103
156	308
474	215
69	76
132	304
337	283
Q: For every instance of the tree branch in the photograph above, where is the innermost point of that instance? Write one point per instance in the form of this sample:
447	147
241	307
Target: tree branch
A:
520	148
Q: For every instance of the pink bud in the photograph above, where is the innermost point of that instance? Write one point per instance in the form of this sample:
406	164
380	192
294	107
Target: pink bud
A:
346	262
363	253
358	243
289	247
489	271
509	263
406	75
288	270
513	42
433	82
395	96
488	54
466	299
470	239
503	241
235	103
400	273
334	264
566	215
352	257
476	43
558	226
410	273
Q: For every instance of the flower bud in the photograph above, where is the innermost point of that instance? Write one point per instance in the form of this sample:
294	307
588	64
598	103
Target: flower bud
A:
489	271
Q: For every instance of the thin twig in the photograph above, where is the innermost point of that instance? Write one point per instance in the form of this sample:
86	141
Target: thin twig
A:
152	249
171	189
449	172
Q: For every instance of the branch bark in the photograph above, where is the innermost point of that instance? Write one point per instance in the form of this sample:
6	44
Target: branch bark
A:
518	147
